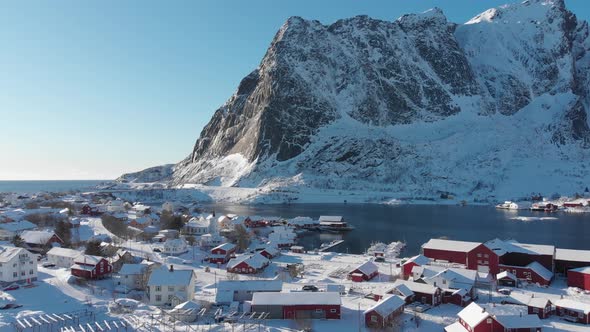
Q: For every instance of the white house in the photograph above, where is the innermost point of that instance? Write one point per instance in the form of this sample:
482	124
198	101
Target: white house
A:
62	257
174	247
168	286
197	226
133	276
17	265
115	206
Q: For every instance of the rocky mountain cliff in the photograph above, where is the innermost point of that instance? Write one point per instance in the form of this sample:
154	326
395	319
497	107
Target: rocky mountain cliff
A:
419	105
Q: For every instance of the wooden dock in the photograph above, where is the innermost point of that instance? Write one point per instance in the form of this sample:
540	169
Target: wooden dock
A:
331	245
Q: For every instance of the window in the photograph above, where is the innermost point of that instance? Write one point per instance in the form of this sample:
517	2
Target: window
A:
158	288
30	271
22	273
333	311
374	318
158	298
14	274
489	321
535	310
171	288
486	256
319	311
478	255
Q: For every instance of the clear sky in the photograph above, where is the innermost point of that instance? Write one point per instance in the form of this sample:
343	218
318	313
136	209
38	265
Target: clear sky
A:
94	89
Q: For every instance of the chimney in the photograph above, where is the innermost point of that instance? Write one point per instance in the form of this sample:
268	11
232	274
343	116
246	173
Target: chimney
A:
483	309
171	268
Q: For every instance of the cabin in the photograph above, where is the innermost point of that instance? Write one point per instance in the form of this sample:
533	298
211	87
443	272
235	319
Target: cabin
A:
423	293
222	253
364	272
519	323
248	264
17	265
407	266
579	277
91	267
402	291
62	257
270	252
229	291
170	286
282	237
539	306
567	259
297	249
573	311
255	222
298	305
384	312
505	278
474	318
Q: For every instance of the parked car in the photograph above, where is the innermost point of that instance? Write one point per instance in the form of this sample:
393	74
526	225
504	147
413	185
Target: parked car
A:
11	287
310	288
380	259
48	264
505	291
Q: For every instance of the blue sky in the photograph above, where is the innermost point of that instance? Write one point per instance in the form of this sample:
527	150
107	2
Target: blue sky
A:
90	90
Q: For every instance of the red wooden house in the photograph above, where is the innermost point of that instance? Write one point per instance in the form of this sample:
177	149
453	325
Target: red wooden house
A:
90	211
384	312
222	253
533	273
364	272
574	311
539	306
572	204
255	222
579	277
474	255
91	267
248	264
476	319
419	260
270	252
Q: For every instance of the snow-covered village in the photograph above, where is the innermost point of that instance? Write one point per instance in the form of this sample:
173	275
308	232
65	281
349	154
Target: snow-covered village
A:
93	262
295	166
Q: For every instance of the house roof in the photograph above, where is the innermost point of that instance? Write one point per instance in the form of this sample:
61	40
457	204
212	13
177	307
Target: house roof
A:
367	268
82	267
225	246
572	255
199	222
296	298
450	245
302	221
502	247
404	290
455	278
518	322
573	305
418	259
256	261
88	259
506	274
455	327
387	305
9	252
164	277
226	288
331	218
538	302
17	226
416	287
130	269
585	270
37	237
540	270
473	314
64	252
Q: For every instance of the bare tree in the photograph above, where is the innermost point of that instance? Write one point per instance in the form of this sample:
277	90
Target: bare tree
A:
242	237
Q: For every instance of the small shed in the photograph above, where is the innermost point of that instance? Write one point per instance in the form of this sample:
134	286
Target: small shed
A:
539	306
507	279
364	272
384	312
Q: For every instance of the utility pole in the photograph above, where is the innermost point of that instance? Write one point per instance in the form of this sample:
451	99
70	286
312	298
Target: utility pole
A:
359	316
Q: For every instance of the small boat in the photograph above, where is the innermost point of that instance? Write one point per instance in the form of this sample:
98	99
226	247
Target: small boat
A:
507	205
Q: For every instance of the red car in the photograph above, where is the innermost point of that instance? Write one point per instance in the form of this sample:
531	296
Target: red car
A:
12	287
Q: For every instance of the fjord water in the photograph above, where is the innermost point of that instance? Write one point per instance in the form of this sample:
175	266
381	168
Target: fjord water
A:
416	224
22	187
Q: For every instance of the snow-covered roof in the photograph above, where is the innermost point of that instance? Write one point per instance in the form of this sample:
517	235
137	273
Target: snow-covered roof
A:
199	222
501	247
403	290
165	277
517	321
17	226
331	218
131	269
82	267
453	278
225	246
473	314
573	305
506	274
272	250
416	287
450	245
538	302
296	298
572	255
541	271
226	288
302	221
367	268
88	259
256	261
187	306
455	327
585	270
64	252
387	305
37	237
418	259
9	252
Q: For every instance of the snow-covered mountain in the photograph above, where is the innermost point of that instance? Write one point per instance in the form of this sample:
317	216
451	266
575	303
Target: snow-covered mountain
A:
495	106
